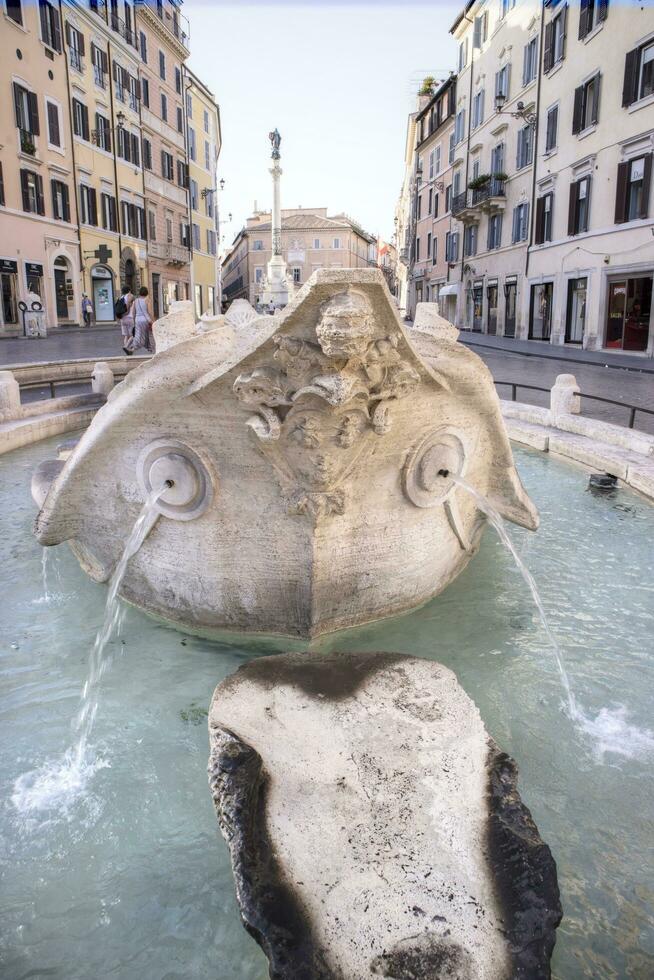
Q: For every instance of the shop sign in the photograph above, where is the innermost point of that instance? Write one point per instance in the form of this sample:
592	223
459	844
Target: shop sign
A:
7	265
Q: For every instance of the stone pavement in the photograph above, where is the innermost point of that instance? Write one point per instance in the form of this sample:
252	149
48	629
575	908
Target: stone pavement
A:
558	352
62	345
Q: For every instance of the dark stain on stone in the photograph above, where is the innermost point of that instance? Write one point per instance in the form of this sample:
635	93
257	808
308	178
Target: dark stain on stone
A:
424	957
524	872
332	676
271	911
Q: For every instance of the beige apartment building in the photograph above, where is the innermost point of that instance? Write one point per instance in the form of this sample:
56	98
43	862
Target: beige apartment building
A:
203	140
591	266
40	251
404	218
310	240
499	51
163	40
431	241
104	105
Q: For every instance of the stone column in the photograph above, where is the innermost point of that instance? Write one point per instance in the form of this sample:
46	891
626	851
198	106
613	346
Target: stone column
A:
276	288
10	407
564	396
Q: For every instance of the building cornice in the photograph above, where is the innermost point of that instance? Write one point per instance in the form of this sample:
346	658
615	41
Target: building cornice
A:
160	29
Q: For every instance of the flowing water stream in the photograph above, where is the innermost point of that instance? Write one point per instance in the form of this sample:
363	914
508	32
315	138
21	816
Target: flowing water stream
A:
57	783
610	729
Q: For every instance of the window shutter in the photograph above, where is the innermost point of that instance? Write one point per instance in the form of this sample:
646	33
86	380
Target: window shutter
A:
34	113
40	202
137	90
621	193
516	219
23	187
564	16
476	33
630	76
66	200
572	207
584	19
80	38
596	98
578	108
163	164
524	64
481	106
647	180
85	123
135	150
602	10
115	71
540	220
43	13
93	201
104	60
56	29
53	191
93	54
107	134
20	122
67	33
548	53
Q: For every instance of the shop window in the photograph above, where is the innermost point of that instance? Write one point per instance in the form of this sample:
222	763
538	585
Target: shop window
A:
628	313
540	311
576	311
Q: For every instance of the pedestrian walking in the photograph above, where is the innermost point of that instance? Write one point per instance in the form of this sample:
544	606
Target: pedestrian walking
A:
142	315
122	312
87	310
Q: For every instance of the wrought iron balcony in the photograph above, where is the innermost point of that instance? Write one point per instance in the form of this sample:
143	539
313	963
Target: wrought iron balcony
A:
170	253
491	196
485	194
120	27
459	203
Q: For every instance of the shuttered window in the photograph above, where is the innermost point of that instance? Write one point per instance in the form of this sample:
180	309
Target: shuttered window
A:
31	185
145	92
26	109
555	34
60	200
586	104
88	205
109	215
634	180
544	213
591	13
551	132
638	74
50	25
103	132
80	120
147	154
579	206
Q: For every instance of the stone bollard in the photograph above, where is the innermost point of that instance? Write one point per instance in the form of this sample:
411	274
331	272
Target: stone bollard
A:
10	407
564	396
102	379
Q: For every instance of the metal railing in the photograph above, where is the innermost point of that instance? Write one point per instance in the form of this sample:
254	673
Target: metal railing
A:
492	188
51	383
120	27
633	409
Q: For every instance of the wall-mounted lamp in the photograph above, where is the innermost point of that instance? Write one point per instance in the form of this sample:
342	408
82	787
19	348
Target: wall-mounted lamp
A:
521	112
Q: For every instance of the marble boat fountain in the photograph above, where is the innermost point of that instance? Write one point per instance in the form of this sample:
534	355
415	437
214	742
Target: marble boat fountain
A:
307	467
305	453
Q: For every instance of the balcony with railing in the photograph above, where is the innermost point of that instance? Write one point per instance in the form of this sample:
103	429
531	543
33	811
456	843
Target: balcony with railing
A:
127	32
489	196
169	253
167	12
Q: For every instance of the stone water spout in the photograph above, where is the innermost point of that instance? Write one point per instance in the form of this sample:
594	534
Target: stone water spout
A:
305	453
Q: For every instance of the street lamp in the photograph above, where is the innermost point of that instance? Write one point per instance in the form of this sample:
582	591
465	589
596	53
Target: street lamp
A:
521	111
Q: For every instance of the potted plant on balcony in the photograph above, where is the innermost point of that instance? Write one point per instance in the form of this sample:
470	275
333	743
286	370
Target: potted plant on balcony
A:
500	175
27	144
478	182
427	87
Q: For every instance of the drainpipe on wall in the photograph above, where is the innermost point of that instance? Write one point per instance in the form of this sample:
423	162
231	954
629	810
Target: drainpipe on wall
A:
69	114
465	180
114	156
145	201
188	183
532	210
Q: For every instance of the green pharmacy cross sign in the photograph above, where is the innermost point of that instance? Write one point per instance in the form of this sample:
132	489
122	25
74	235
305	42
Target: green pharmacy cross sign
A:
103	254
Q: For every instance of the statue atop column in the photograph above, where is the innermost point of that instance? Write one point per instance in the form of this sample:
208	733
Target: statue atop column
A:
275	140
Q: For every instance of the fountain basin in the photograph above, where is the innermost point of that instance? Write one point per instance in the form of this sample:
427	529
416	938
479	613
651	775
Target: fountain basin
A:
129	878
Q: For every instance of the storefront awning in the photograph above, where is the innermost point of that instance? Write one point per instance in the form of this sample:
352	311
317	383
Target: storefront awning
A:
452	289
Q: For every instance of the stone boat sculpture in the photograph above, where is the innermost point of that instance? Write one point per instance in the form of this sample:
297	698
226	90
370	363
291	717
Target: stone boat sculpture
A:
306	453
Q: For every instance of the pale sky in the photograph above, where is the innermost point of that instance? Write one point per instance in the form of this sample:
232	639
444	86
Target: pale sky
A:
336	79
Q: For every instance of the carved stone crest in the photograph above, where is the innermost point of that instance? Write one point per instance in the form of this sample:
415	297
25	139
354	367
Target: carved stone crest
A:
318	401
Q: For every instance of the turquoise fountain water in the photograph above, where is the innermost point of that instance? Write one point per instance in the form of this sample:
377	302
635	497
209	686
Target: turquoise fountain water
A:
129	878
